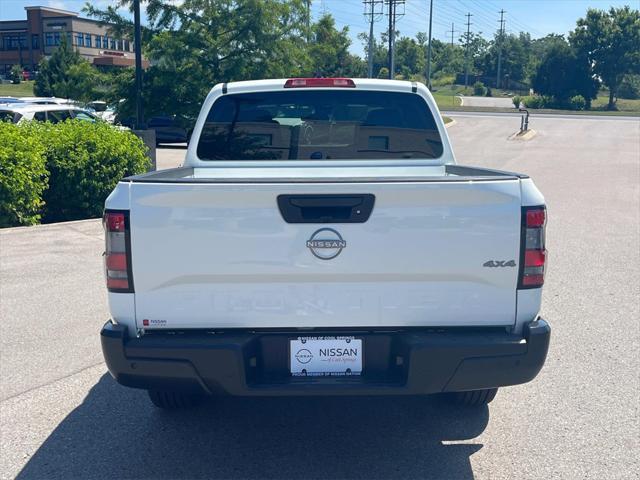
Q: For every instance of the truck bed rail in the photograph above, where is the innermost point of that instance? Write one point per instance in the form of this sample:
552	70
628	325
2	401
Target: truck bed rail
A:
452	173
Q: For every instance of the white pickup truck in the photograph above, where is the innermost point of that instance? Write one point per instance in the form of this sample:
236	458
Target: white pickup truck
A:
321	240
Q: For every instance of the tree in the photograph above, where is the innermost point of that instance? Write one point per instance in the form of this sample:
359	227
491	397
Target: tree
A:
329	51
81	82
195	44
515	56
54	70
610	41
16	74
562	74
447	59
478	47
410	57
380	52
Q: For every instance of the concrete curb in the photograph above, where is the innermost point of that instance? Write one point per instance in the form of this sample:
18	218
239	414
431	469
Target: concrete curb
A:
451	123
528	135
45	225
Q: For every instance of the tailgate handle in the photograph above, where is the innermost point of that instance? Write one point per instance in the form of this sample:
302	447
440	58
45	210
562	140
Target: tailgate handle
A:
330	208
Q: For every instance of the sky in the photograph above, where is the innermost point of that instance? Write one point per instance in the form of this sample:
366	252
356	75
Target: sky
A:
538	17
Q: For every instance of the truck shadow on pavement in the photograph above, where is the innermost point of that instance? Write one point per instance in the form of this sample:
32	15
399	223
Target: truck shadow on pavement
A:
117	433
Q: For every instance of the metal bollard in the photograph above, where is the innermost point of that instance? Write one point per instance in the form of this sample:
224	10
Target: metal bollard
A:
524	120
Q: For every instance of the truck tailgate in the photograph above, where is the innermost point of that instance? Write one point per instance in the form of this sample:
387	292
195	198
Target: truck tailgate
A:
220	255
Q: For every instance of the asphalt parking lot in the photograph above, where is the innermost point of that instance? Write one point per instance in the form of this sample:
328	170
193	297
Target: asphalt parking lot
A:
62	416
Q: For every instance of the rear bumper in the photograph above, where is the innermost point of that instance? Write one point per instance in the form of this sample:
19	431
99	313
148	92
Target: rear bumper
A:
396	362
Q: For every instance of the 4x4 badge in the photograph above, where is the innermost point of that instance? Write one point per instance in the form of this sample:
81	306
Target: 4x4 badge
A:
499	263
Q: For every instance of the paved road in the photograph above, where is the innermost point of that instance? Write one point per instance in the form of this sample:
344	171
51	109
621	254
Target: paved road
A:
534	115
62	416
494	102
170	156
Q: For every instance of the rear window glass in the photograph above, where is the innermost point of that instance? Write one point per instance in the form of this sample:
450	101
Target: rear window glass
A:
7	116
56	116
318	125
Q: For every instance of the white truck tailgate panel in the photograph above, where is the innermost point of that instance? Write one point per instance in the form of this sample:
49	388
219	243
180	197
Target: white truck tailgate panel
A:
209	255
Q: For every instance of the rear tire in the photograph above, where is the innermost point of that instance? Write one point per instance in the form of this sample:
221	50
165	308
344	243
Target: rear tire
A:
474	398
169	400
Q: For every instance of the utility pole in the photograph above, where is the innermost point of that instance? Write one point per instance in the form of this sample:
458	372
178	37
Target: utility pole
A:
451	31
429	46
308	2
138	53
500	38
466	54
392	27
392	33
374	16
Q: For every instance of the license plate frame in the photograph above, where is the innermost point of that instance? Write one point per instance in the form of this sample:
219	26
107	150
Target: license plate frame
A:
326	356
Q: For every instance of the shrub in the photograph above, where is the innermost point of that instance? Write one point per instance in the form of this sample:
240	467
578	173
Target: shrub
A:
537	101
479	89
516	99
16	74
383	72
442	80
23	176
577	102
85	162
629	87
489	92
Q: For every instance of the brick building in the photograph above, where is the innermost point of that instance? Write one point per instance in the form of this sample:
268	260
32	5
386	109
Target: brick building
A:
26	42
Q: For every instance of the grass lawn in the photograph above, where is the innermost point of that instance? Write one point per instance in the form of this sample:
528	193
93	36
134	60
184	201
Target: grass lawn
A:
623	104
23	89
445	101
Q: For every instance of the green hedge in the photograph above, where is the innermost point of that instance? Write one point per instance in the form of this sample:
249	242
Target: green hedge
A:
84	162
479	89
23	176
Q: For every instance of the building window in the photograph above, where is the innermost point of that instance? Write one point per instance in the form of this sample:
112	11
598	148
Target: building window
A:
87	40
120	45
112	43
14	42
98	41
105	42
80	39
56	38
48	39
126	46
35	42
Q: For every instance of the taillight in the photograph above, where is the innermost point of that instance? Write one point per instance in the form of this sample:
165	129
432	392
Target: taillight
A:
117	258
533	254
319	82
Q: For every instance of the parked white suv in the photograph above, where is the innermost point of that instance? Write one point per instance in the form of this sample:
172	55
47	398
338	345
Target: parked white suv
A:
54	113
321	240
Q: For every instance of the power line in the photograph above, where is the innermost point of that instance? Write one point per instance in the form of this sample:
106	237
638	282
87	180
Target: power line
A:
514	20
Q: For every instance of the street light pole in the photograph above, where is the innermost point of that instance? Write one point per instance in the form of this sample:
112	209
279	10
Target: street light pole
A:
429	47
138	52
